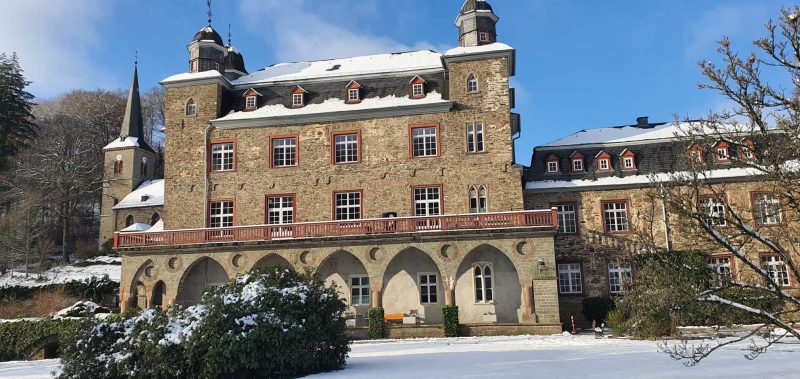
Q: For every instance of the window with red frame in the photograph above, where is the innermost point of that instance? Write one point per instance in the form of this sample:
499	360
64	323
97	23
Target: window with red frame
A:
776	269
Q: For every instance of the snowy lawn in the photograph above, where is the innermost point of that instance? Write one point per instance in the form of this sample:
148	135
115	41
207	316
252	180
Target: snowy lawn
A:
105	266
523	357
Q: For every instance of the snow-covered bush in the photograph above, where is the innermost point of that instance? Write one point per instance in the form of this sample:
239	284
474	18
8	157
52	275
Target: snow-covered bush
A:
276	323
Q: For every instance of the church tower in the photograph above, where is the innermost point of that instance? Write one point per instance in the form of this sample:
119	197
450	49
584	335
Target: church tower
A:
129	161
476	23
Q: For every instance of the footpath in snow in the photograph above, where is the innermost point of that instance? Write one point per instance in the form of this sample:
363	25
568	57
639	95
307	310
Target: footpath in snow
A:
558	356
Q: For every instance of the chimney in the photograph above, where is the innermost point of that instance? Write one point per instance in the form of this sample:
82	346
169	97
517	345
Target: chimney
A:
642	121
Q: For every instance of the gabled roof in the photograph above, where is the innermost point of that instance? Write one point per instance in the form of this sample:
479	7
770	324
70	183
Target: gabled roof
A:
149	194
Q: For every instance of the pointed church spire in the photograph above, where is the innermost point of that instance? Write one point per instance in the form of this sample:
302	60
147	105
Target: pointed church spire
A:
132	123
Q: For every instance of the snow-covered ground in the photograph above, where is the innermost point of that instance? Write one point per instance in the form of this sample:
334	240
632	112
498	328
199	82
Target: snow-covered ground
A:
62	274
558	356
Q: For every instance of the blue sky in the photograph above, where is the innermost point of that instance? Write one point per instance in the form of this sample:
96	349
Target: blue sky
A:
580	64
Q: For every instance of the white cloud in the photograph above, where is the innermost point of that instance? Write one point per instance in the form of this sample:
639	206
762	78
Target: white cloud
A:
306	31
53	40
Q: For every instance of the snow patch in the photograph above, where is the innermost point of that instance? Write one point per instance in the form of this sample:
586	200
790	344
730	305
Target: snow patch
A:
149	194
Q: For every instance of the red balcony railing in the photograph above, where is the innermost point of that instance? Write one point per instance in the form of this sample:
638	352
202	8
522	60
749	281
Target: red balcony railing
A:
339	228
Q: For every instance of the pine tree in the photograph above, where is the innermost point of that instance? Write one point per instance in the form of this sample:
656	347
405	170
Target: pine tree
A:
17	128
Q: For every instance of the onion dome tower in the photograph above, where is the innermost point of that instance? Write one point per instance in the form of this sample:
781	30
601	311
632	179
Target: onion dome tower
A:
234	61
477	23
206	52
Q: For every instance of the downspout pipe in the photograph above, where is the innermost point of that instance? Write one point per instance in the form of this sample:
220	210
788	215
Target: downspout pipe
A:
206	173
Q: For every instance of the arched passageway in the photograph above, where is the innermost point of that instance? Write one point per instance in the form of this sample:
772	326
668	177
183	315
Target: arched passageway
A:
202	274
412	283
352	281
272	260
159	292
487	283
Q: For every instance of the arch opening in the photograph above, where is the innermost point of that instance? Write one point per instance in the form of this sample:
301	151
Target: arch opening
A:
350	276
412	284
159	292
203	273
488	284
272	260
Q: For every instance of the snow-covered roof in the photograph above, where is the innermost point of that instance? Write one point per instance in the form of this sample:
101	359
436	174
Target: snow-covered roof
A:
636	133
467	50
157	227
149	194
413	61
137	227
334	106
187	76
636	180
120	143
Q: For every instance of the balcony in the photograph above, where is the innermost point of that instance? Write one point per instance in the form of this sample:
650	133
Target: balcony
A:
379	226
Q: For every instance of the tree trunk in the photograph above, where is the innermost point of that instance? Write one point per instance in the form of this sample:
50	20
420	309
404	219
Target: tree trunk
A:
65	234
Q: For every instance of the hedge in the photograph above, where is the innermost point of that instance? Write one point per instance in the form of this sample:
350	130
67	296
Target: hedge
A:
94	289
450	320
375	318
20	338
597	308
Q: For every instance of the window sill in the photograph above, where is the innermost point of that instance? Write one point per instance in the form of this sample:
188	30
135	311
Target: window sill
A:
476	152
278	167
572	294
346	163
221	171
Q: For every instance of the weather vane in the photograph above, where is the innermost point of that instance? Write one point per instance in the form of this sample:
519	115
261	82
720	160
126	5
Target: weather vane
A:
136	58
209	12
229	34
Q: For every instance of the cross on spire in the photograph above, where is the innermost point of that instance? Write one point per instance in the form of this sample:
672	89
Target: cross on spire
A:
136	58
209	12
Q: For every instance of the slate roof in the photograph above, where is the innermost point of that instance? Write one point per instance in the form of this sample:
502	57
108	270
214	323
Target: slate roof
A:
208	34
473	5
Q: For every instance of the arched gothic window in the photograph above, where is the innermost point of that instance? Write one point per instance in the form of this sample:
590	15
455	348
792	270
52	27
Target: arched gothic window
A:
477	199
191	108
472	84
483	282
156	218
128	221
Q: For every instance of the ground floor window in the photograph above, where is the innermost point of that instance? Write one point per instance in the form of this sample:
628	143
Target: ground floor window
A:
776	268
428	284
483	283
359	290
619	277
569	278
719	271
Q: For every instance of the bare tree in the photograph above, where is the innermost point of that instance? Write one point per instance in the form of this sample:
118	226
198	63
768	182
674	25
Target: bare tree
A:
761	134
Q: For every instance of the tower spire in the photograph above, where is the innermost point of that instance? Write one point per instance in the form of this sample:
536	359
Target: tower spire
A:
132	123
209	12
229	35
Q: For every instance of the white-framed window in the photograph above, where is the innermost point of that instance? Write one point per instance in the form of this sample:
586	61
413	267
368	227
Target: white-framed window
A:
620	277
484	287
250	102
345	148
483	37
552	166
359	290
776	268
427	201
577	165
353	95
767	207
475	137
348	205
697	156
477	199
719	271
627	163
298	100
747	152
615	216
714	210
417	90
569	278
191	108
428	287
604	164
424	141
280	210
220	214
284	152
472	84
222	156
722	153
567	221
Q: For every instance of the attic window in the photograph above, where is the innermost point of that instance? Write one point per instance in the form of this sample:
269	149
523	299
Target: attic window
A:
552	164
417	87
297	100
747	150
145	198
628	160
721	152
353	92
334	67
250	102
577	165
603	164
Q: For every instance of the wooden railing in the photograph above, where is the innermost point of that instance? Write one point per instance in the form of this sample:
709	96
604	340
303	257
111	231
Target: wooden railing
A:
339	228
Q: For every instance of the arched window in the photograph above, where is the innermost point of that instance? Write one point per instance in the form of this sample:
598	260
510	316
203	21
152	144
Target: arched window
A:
482	200
156	218
118	165
191	108
472	84
483	283
477	199
128	221
143	167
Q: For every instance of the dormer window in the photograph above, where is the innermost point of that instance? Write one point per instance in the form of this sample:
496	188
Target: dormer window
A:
472	84
603	161
577	162
298	97
417	87
353	92
747	150
251	99
695	153
191	108
552	164
721	152
628	160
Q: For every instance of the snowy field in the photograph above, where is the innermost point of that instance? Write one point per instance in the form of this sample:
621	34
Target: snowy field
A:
102	266
523	357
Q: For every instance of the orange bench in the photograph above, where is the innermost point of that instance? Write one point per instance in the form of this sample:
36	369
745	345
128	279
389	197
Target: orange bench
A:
394	317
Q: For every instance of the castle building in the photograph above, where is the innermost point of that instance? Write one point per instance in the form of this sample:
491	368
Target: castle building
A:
391	175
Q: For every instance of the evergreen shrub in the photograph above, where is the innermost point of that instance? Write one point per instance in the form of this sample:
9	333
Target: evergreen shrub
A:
375	319
597	308
450	320
21	338
274	323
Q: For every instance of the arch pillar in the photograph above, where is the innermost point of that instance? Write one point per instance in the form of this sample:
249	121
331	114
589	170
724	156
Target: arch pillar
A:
526	308
376	293
449	284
